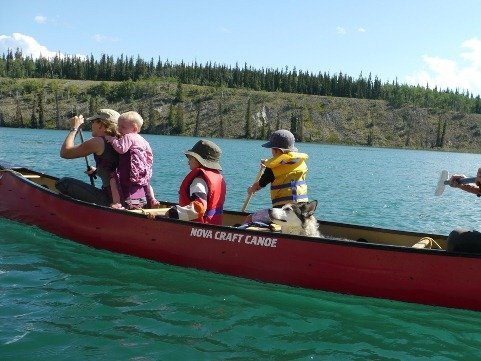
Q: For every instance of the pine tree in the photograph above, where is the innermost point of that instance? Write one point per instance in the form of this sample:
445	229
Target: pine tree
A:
179	120
41	109
18	114
92	105
197	119
55	88
443	134
153	117
294	121
247	127
33	117
171	119
179	94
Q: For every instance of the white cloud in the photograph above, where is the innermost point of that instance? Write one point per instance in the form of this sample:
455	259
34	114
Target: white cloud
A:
475	55
361	30
28	45
340	30
462	74
40	19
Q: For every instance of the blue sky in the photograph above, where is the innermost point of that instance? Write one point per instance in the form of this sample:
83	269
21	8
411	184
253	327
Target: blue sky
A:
414	41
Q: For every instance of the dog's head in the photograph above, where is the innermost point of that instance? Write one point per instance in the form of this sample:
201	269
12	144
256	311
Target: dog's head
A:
293	215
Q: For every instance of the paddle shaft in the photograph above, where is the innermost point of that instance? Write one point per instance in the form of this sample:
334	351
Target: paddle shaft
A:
249	196
463	180
91	176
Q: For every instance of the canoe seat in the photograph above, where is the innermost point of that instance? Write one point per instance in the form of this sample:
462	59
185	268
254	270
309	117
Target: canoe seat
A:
151	211
272	228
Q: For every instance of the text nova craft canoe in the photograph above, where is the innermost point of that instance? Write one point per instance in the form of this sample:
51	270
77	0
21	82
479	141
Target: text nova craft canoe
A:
384	265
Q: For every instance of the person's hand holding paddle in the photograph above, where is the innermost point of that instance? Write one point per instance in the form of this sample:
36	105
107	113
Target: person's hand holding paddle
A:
254	187
454	180
76	123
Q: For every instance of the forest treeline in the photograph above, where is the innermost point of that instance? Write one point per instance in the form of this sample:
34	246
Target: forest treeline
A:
14	64
218	101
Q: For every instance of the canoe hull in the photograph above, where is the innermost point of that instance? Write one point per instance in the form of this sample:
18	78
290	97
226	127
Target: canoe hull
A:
398	273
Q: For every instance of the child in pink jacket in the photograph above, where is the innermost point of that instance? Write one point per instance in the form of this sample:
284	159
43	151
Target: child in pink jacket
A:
131	182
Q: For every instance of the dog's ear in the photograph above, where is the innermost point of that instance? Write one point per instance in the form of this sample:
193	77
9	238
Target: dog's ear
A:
309	208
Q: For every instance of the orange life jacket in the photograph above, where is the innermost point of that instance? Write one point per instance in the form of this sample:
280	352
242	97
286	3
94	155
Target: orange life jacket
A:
215	197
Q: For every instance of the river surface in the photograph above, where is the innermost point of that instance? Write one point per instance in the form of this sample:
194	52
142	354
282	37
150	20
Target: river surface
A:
61	300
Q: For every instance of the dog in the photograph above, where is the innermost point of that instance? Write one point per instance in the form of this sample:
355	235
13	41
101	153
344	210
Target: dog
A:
296	218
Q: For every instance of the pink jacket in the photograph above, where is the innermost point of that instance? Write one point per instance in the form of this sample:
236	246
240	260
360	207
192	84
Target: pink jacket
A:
141	158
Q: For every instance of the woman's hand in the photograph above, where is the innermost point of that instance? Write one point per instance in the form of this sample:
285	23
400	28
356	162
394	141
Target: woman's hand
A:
91	170
454	180
77	121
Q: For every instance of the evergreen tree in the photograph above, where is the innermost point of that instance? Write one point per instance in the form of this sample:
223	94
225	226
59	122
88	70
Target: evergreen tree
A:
171	119
93	106
438	134
54	87
179	94
179	120
221	121
278	122
18	115
247	127
197	119
33	117
477	105
153	117
41	109
294	122
443	134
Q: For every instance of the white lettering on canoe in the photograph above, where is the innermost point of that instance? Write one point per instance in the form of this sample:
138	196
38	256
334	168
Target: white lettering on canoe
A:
234	237
202	233
261	241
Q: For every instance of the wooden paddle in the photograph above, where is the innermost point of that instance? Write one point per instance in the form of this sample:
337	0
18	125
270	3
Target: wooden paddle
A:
249	196
91	176
444	180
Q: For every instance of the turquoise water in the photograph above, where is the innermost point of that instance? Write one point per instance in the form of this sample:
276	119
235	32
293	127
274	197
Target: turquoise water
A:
61	300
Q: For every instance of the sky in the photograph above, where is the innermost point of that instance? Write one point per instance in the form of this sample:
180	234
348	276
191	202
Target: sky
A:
430	43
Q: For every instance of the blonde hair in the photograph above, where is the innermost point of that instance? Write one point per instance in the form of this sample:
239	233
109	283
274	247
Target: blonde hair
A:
110	127
133	117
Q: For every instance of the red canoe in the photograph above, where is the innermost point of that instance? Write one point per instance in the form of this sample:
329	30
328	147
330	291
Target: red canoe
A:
386	266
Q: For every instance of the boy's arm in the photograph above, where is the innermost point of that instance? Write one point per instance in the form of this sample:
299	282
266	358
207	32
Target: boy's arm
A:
198	205
266	178
121	145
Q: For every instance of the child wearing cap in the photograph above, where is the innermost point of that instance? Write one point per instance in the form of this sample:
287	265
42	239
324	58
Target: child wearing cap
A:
131	182
286	172
202	192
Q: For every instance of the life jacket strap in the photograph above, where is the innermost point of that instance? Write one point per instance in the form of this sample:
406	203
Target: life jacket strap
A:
292	185
214	212
293	198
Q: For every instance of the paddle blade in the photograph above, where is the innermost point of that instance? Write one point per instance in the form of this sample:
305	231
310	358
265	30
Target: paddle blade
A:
441	183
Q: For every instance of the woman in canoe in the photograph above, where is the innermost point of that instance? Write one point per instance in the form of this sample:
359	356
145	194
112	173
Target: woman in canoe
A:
104	122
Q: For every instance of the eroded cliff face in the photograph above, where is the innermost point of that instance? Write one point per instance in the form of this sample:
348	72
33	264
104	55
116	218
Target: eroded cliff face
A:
241	113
